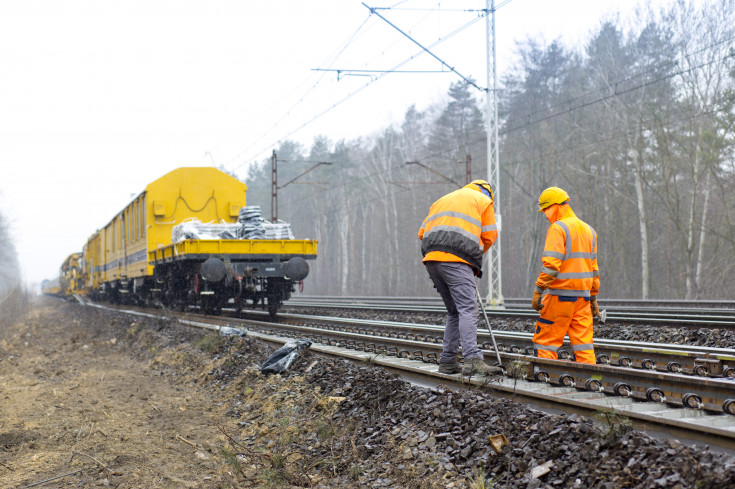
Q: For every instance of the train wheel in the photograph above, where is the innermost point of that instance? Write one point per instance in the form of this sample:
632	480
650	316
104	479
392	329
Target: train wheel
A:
272	307
210	305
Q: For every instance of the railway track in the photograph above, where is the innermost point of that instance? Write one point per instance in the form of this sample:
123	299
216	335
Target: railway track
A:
720	314
684	359
687	401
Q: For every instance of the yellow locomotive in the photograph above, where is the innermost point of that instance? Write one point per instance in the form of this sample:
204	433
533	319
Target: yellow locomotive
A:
145	254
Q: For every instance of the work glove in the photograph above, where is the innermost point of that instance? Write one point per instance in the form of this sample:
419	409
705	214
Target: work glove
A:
595	307
536	301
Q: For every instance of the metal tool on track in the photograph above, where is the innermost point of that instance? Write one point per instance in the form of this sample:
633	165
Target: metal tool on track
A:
490	329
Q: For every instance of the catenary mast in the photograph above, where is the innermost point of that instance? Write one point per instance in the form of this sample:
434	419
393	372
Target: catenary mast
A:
494	264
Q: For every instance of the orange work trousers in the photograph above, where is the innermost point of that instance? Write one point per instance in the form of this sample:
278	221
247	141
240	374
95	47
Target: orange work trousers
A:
562	316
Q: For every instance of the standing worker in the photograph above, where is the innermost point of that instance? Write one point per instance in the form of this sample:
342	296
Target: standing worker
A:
570	278
459	229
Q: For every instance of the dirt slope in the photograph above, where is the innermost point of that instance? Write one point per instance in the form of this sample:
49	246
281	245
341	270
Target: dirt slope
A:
75	400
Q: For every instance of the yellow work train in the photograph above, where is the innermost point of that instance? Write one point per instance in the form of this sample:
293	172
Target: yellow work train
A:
69	281
70	278
145	255
51	287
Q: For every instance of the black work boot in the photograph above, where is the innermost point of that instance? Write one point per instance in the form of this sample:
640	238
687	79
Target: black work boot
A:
449	368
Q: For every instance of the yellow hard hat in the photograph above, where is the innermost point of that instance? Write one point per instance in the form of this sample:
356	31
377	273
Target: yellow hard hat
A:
551	196
485	187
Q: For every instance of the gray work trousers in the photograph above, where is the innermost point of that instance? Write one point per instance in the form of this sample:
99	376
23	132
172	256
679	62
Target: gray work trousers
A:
455	283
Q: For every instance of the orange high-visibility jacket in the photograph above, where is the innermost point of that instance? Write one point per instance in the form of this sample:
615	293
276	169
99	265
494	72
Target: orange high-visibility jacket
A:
570	259
460	227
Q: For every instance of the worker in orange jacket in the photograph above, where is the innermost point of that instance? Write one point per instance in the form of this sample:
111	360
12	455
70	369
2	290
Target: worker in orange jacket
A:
570	277
459	229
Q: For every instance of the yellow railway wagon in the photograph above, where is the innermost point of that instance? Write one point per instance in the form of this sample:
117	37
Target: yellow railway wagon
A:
70	278
51	287
134	260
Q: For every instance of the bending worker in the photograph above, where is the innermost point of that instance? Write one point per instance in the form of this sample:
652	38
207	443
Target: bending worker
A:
570	278
459	229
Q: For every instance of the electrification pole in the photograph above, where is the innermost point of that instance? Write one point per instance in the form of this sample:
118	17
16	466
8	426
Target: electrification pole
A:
274	187
494	265
274	183
468	169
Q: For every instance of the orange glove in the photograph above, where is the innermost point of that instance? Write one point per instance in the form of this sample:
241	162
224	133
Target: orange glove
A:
595	307
536	301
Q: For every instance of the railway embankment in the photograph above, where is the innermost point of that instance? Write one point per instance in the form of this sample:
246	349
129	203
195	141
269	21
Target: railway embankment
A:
96	398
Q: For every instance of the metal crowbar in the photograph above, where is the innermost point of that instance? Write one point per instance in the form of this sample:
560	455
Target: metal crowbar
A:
482	306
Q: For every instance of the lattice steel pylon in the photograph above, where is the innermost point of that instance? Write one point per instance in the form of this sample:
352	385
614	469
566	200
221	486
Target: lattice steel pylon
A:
494	264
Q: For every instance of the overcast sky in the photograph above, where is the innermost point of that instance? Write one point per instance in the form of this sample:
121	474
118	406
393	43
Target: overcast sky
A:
99	98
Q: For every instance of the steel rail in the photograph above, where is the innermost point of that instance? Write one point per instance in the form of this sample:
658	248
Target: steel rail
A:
721	318
642	304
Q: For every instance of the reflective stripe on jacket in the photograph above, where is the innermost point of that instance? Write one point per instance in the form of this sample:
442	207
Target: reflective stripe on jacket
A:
460	227
570	258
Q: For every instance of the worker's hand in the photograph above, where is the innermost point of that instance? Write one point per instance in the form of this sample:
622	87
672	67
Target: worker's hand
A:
536	301
595	307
